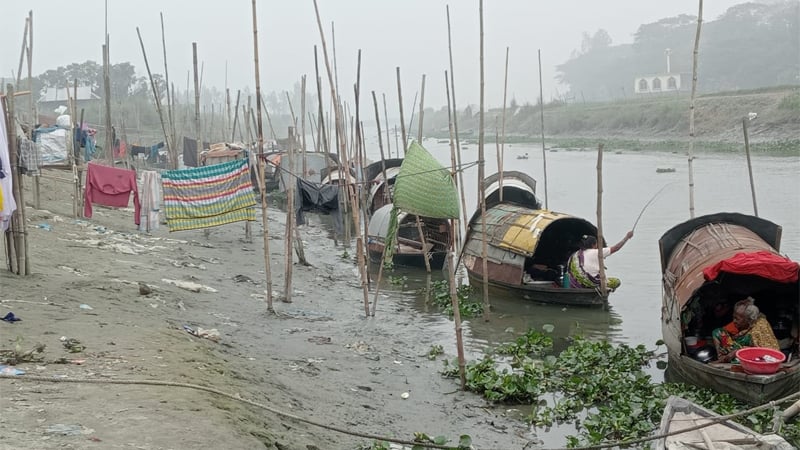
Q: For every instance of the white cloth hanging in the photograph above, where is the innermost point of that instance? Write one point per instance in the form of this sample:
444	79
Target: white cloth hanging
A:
9	205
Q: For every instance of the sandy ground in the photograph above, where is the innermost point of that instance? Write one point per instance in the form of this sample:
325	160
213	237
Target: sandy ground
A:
318	358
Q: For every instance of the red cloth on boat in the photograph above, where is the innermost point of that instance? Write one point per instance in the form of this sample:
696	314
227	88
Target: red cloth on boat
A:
763	264
110	186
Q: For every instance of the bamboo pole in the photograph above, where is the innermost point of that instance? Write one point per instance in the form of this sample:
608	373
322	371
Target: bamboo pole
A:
541	116
386	121
749	164
342	146
695	54
481	176
451	281
156	97
261	162
172	149
453	162
288	259
421	109
383	170
10	235
322	137
18	220
298	240
464	219
402	119
600	241
34	119
501	160
107	101
236	115
23	52
197	128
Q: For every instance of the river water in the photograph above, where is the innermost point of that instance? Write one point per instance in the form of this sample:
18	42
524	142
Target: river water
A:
630	180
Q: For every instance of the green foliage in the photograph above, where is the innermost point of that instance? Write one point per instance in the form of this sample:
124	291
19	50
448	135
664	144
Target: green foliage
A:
440	296
599	386
397	281
435	351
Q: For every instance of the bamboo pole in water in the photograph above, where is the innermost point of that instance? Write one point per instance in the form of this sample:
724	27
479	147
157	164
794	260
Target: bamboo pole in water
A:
465	225
503	142
402	119
342	146
18	220
695	54
261	162
541	117
600	240
451	279
481	176
386	121
457	237
749	164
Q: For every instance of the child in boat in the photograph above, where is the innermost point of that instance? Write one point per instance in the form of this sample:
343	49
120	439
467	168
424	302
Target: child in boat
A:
583	268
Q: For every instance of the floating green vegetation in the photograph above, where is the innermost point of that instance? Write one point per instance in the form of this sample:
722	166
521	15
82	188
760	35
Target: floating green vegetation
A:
435	351
397	281
439	292
600	387
464	442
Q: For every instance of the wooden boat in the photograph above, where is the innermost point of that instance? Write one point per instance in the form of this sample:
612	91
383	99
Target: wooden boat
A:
381	176
680	414
528	247
665	170
709	263
410	251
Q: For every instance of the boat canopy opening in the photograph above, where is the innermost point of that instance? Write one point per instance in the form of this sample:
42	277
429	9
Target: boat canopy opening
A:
557	242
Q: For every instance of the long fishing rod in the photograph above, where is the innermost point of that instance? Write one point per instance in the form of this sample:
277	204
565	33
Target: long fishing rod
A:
649	202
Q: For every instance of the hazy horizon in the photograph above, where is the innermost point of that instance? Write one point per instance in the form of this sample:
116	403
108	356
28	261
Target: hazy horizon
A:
411	35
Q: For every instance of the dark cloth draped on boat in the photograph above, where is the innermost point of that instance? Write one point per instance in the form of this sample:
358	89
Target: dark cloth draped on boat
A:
319	198
190	151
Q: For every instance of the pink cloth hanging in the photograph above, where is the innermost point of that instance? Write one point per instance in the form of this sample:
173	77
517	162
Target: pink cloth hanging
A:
110	186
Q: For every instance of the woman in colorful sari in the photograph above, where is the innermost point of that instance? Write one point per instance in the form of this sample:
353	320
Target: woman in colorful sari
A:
583	268
749	328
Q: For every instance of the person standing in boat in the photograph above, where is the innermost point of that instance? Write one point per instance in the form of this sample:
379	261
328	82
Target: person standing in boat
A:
749	328
583	268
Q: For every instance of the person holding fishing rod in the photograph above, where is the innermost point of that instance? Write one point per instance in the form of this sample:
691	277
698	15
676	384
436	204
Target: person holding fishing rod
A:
583	268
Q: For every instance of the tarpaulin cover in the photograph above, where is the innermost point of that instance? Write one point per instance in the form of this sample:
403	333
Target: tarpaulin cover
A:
319	198
763	264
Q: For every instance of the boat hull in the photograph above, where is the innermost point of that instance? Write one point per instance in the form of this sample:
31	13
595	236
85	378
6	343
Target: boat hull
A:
543	293
415	259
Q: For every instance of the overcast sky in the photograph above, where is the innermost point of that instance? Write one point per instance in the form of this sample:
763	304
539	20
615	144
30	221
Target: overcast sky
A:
411	34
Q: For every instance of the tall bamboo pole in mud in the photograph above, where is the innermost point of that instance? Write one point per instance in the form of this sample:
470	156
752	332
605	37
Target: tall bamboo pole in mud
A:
107	102
343	147
236	115
359	147
481	176
18	220
455	128
261	162
32	108
695	54
541	116
749	165
298	240
196	102
156	97
289	260
600	241
23	52
503	144
172	148
383	170
451	278
402	119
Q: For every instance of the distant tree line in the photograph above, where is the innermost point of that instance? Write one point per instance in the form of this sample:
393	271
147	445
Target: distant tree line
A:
751	45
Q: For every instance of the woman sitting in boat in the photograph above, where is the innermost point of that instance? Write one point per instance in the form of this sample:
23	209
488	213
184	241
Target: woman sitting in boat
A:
749	328
583	268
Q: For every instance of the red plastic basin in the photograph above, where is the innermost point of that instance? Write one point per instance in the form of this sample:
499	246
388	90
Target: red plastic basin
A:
753	360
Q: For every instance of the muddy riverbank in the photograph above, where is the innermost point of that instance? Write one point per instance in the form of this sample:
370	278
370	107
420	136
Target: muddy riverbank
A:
318	358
